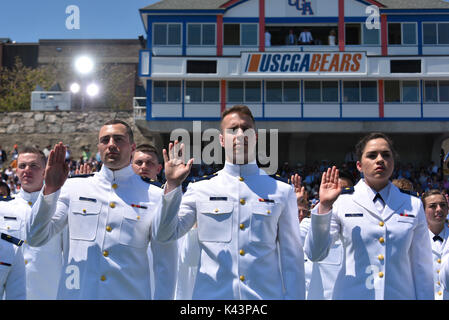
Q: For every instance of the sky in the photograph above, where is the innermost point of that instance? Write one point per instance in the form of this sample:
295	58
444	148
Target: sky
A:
31	20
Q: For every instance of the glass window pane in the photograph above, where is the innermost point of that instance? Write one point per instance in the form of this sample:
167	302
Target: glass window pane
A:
312	91
443	33
330	91
352	33
430	91
160	34
409	33
235	91
370	36
410	91
231	34
211	91
291	91
174	91
159	91
252	91
193	90
429	33
274	91
249	34
392	91
174	34
394	33
368	91
194	34
208	34
351	91
444	91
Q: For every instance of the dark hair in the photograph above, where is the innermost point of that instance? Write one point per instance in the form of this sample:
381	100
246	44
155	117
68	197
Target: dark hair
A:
35	151
147	148
431	192
8	190
129	131
239	108
345	174
360	146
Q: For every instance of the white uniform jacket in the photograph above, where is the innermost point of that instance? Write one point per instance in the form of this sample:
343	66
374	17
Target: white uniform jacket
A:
437	253
43	265
248	235
189	256
387	256
110	220
12	272
321	275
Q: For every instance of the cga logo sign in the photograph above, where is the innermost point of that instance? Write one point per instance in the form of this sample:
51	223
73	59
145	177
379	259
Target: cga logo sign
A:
322	62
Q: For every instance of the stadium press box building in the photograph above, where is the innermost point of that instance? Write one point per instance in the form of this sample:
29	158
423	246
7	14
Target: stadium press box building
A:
386	68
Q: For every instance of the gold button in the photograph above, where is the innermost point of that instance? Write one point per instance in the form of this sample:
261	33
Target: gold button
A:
30	203
8	228
84	211
114	186
108	229
242	226
216	210
439	260
381	223
380	256
103	278
268	211
242	201
112	204
242	278
138	217
381	240
26	262
242	252
106	253
440	293
438	271
241	179
438	283
381	274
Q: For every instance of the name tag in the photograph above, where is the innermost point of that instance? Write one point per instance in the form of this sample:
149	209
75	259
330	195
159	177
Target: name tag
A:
266	200
406	215
10	218
5	264
351	215
138	206
218	198
88	199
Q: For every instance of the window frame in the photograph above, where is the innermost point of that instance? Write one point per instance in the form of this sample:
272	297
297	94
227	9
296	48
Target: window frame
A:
283	100
401	92
321	92
167	24
202	24
167	101
244	92
203	101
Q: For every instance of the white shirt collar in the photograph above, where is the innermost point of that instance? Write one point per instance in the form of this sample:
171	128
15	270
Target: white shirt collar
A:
384	193
241	170
28	196
115	175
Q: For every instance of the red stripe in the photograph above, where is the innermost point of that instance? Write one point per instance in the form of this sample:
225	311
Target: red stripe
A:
384	34
381	98
341	25
261	25
219	35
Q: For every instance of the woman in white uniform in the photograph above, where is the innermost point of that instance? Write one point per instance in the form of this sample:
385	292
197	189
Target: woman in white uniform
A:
387	253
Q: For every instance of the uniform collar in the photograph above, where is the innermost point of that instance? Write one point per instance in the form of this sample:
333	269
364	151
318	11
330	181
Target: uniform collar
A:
28	196
384	193
240	170
115	175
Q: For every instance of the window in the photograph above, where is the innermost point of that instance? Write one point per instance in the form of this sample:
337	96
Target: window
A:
282	91
320	91
245	34
202	91
401	91
436	91
201	34
357	34
352	33
359	91
166	91
436	33
244	91
370	36
402	33
166	34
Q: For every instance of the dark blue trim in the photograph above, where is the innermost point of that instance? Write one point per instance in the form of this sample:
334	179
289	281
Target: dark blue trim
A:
420	38
184	38
415	11
240	20
302	20
149	99
184	11
149	33
336	119
235	4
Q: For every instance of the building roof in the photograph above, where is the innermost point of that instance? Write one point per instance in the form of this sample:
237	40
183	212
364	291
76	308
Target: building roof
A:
217	4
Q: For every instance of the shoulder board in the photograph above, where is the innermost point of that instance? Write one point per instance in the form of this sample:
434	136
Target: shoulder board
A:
81	175
347	190
153	182
203	178
11	239
278	177
5	198
412	193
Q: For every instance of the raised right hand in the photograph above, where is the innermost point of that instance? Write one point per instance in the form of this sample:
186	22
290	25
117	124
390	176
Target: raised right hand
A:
57	169
330	189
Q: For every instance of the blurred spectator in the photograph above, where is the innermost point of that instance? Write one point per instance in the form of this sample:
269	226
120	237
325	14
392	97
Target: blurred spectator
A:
403	184
305	37
4	189
291	39
3	157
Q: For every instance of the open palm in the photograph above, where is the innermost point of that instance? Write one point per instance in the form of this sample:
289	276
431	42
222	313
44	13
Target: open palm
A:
175	169
330	188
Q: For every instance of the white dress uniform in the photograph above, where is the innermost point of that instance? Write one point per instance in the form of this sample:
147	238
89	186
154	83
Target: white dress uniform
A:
248	235
12	270
167	265
437	253
43	265
189	256
321	275
387	254
110	222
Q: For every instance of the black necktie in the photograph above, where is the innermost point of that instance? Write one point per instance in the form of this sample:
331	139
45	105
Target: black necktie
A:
435	238
378	196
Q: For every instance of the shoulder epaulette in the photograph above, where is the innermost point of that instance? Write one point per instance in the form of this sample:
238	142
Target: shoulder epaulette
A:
5	198
412	193
153	182
81	175
12	239
347	190
206	177
278	177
